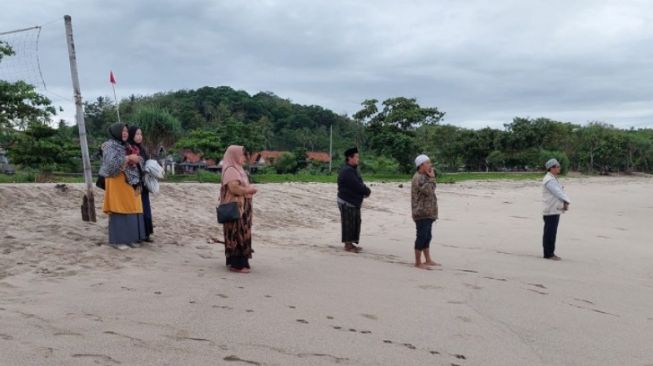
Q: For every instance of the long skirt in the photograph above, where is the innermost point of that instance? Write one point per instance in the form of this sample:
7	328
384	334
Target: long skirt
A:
147	212
126	228
238	239
350	219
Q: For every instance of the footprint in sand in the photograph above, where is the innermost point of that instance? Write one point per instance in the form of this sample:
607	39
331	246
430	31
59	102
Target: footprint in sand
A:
496	279
330	317
585	301
97	357
472	286
223	307
370	316
292	307
468	270
157	292
409	346
430	287
387	341
234	358
302	321
538	285
222	296
538	292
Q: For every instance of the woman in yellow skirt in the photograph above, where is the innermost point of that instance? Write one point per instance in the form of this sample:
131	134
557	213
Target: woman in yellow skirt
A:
122	197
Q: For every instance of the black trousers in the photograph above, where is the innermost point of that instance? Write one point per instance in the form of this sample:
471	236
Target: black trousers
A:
550	232
424	233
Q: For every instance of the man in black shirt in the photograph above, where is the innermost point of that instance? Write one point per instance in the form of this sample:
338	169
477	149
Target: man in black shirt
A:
351	192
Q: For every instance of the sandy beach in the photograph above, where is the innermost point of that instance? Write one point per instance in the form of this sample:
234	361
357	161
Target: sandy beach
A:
68	299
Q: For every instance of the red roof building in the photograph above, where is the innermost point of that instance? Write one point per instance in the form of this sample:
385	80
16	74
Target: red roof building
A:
268	157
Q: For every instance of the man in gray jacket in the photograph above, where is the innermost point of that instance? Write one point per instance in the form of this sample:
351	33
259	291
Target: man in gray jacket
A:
556	202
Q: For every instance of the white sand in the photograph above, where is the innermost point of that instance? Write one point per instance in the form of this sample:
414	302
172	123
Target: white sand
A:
66	300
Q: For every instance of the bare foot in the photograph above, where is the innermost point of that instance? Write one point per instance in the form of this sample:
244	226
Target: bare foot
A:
554	258
353	248
423	266
242	270
432	264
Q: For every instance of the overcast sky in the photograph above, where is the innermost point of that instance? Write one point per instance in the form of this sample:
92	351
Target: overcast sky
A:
482	62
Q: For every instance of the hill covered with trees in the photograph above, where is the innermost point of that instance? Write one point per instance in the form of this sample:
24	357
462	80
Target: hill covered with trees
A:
389	133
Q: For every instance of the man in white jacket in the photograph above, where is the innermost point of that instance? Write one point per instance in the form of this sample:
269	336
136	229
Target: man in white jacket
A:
556	202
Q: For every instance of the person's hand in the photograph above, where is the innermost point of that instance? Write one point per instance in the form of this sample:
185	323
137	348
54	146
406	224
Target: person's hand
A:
565	207
430	173
252	190
133	158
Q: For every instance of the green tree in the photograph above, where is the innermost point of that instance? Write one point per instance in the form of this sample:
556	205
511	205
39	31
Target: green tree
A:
391	130
45	148
203	142
300	157
160	128
20	103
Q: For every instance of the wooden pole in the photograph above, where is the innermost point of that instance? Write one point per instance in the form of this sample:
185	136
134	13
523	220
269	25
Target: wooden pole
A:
88	203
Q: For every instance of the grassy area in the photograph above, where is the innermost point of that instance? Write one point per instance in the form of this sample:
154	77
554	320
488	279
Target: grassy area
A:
208	177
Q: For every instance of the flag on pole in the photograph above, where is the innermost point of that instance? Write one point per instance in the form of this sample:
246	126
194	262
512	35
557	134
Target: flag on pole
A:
112	80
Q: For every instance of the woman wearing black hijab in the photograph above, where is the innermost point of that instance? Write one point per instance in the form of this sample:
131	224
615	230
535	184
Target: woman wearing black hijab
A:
121	201
136	139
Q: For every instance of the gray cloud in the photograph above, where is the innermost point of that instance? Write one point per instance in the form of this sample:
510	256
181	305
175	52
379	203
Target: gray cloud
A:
481	62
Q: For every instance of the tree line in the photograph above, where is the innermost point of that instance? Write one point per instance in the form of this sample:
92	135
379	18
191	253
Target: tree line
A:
389	133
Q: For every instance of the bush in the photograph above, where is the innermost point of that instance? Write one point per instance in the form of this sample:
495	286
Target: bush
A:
496	160
317	167
379	165
286	163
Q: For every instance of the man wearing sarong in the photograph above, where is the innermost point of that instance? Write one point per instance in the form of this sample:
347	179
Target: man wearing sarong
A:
351	192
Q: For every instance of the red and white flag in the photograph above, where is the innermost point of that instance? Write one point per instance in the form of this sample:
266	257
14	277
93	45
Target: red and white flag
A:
112	79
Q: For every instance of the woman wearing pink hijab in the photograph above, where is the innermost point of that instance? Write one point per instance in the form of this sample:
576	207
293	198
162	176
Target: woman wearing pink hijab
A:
236	188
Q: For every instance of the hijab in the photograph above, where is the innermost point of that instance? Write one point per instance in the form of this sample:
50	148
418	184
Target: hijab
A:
231	167
132	135
115	131
130	140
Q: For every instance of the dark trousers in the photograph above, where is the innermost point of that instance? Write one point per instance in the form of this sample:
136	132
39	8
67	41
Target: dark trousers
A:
550	232
424	233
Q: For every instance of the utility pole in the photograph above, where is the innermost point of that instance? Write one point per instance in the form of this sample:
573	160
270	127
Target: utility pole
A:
330	148
88	203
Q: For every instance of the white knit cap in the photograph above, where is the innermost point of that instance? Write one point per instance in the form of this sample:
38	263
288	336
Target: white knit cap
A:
551	163
421	160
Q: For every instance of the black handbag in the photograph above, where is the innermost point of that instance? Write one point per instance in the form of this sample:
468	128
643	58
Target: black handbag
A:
100	182
228	212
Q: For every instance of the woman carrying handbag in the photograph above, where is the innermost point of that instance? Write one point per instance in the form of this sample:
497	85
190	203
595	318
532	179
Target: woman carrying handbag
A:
236	189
